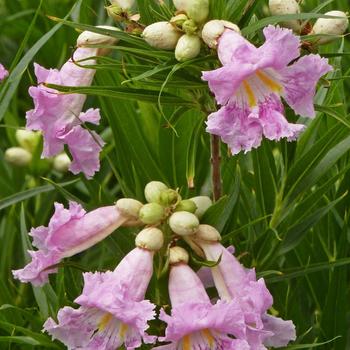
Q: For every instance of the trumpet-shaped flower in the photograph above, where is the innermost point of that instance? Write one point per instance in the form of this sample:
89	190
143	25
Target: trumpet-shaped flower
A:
3	72
252	81
233	281
112	308
195	323
70	231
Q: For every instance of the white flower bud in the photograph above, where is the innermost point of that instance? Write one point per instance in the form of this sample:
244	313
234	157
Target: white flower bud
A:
198	10
18	156
207	233
178	255
61	163
91	38
153	190
187	47
124	4
286	7
331	26
183	223
202	203
212	31
129	207
28	139
150	238
186	205
152	213
161	35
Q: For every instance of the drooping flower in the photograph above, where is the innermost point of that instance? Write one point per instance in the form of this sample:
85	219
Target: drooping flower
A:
3	72
232	280
60	117
112	308
251	83
195	323
70	231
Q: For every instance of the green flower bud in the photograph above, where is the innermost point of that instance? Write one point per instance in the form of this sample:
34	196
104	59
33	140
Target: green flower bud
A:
198	10
286	7
161	35
212	31
129	207
207	233
183	223
150	238
178	255
152	213
189	26
202	203
28	139
61	163
153	190
188	47
331	26
186	205
169	197
18	156
179	20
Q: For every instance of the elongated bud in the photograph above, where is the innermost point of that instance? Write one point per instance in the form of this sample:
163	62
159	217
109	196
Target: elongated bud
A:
286	7
61	163
91	38
124	4
28	139
187	47
186	205
169	197
202	203
183	223
150	238
129	207
161	35
153	190
178	255
207	233
179	20
198	10
152	213
331	26
212	31
18	156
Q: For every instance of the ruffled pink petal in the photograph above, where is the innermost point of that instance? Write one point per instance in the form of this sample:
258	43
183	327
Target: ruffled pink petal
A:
300	81
280	48
283	331
3	72
91	115
85	147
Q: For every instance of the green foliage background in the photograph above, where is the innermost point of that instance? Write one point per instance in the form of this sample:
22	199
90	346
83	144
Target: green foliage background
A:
285	205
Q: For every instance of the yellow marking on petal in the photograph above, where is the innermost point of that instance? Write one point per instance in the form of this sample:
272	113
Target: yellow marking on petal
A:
123	329
104	321
186	343
209	337
250	94
270	83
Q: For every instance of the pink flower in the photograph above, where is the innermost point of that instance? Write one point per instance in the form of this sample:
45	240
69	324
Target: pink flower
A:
194	322
233	281
112	309
70	231
60	116
251	83
3	72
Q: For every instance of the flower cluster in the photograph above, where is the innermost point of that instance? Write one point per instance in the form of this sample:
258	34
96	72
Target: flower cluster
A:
112	307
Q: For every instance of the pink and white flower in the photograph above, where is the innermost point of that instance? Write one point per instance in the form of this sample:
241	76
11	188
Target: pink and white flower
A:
252	81
112	308
195	323
70	231
3	72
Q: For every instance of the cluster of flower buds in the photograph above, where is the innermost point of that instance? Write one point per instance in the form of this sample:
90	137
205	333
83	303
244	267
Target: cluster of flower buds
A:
186	30
328	29
113	310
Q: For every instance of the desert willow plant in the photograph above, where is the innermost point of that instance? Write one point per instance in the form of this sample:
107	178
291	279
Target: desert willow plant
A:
181	287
